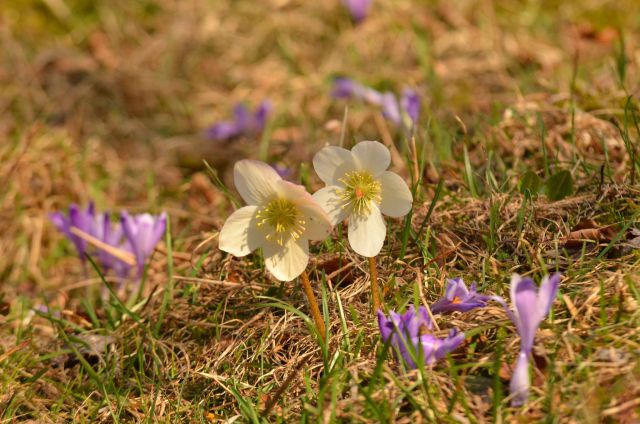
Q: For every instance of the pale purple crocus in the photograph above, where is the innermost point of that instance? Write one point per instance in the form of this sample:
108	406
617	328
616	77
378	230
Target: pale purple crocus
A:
404	113
359	9
143	232
347	88
111	233
244	123
390	108
83	220
530	307
284	172
410	103
458	298
410	335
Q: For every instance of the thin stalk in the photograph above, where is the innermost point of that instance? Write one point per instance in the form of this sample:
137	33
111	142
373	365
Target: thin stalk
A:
375	291
313	304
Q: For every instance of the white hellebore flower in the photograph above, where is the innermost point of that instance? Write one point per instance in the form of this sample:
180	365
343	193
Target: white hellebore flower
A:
281	218
360	188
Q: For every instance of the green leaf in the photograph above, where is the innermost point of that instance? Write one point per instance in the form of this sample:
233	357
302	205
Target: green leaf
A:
559	186
529	182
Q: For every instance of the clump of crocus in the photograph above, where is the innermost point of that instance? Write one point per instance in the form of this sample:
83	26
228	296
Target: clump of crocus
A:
359	9
360	188
458	298
117	245
530	307
410	335
404	113
244	123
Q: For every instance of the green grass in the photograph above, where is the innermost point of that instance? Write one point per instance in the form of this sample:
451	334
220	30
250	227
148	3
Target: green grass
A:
108	100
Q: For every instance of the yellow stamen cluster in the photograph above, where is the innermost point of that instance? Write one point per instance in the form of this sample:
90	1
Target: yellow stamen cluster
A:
360	189
281	218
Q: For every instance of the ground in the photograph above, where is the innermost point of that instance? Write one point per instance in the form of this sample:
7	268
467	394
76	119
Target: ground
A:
109	101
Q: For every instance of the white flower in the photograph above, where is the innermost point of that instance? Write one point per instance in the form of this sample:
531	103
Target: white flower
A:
281	218
360	188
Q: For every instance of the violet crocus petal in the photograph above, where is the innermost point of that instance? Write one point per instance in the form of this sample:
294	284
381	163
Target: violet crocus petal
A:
358	9
410	103
143	232
344	88
223	131
547	293
385	325
458	298
261	115
347	88
520	381
450	343
390	108
283	171
426	345
524	297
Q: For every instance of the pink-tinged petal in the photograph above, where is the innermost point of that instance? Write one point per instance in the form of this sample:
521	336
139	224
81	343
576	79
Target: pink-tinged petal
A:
240	234
372	156
367	232
396	196
520	382
255	181
331	163
329	199
286	262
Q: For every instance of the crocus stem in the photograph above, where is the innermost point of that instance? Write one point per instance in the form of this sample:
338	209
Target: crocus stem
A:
375	292
313	305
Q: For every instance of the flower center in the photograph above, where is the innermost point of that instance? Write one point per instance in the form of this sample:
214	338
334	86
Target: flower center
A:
281	218
456	300
360	189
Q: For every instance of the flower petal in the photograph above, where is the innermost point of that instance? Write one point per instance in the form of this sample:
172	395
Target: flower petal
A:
254	180
316	221
288	261
519	385
331	163
547	293
367	232
329	199
396	196
372	156
525	300
240	235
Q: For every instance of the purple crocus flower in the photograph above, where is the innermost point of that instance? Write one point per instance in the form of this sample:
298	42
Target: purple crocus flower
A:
83	220
346	88
143	232
458	298
409	334
410	103
390	108
111	234
243	123
358	9
283	171
531	306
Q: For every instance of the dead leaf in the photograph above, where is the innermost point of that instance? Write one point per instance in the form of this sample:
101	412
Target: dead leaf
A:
589	230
